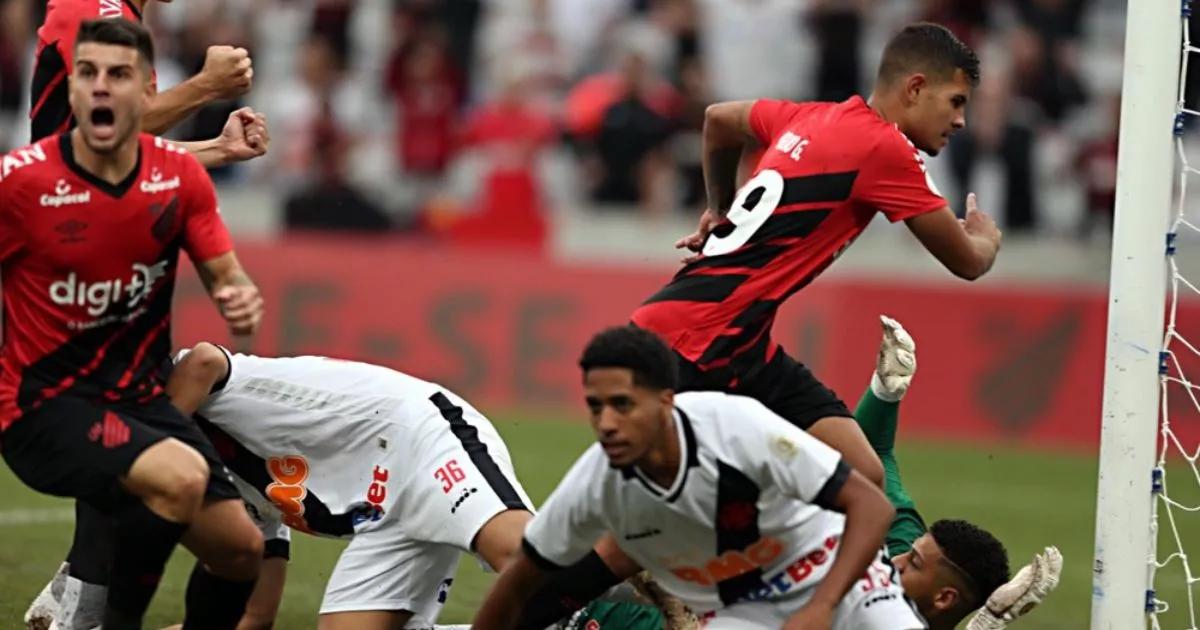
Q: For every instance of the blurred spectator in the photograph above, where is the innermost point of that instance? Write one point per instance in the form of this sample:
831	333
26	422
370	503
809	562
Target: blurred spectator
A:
1096	168
632	164
428	89
1002	128
15	28
754	48
1046	54
297	111
837	26
504	140
329	202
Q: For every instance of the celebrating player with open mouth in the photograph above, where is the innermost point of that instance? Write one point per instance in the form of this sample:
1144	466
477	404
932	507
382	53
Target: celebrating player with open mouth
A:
91	224
227	73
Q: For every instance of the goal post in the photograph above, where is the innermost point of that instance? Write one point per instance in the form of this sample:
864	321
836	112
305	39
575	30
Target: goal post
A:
1125	540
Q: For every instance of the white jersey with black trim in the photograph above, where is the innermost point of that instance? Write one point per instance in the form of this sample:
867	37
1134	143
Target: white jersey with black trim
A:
744	520
327	443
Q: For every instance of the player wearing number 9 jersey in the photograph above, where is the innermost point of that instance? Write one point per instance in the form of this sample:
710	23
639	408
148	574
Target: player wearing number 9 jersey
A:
825	171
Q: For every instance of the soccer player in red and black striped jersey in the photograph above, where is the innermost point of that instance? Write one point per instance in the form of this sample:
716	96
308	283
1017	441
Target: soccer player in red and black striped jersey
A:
826	170
227	73
91	224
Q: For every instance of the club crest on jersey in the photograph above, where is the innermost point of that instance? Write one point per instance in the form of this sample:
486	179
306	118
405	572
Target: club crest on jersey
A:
157	184
99	296
64	197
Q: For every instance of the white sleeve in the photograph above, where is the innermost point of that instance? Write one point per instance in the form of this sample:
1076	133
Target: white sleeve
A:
568	524
781	453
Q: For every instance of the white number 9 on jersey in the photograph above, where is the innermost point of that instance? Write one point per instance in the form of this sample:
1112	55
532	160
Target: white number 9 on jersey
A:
752	206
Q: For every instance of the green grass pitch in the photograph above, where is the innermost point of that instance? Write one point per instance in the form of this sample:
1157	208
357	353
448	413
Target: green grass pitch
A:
1030	499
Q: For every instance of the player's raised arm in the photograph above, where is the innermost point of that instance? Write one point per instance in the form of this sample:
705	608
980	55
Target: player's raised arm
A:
228	73
868	515
966	247
195	375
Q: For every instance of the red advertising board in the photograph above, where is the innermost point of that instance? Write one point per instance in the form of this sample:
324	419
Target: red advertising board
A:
504	329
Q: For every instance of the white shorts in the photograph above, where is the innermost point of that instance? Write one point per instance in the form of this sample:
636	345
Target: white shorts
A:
876	602
456	474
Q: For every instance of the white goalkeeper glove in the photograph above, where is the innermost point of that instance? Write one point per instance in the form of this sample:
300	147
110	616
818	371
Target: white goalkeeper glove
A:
896	363
1021	594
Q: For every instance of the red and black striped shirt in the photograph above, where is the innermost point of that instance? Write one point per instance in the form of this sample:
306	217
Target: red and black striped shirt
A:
827	169
88	270
49	111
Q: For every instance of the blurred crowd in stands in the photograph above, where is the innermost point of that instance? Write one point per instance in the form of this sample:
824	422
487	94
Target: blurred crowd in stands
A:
483	118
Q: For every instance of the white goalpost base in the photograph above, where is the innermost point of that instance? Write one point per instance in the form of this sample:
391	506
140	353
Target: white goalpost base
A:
1124	552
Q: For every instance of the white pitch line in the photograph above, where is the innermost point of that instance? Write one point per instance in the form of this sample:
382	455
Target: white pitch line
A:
34	516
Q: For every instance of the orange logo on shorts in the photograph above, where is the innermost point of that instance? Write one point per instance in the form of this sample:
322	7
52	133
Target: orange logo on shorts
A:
287	491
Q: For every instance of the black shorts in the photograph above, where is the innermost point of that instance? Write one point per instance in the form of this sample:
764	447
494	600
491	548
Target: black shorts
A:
783	384
72	447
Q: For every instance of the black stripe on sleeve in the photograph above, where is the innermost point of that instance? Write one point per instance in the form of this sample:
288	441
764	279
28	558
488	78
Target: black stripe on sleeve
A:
827	497
277	548
537	558
220	385
699	288
824	188
49	103
468	436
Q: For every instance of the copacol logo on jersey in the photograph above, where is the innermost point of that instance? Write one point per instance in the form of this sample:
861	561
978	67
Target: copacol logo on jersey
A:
64	197
99	296
157	184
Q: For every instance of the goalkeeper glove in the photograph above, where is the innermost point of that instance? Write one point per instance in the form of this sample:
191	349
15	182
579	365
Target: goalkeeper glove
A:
1021	594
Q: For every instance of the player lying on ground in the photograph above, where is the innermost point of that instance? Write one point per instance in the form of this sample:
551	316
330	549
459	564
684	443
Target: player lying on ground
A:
408	471
227	73
825	171
947	570
91	225
747	519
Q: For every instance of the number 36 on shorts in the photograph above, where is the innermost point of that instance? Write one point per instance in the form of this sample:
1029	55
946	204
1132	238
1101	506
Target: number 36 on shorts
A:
449	474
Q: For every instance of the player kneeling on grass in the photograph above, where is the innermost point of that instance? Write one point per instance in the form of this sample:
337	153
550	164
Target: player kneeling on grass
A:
743	516
949	570
408	471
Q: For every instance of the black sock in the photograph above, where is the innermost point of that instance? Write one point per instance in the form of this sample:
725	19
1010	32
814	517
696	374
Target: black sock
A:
144	542
214	603
90	557
566	591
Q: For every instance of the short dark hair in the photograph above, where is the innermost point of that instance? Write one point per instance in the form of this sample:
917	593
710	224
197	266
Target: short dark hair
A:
118	32
976	553
929	48
652	362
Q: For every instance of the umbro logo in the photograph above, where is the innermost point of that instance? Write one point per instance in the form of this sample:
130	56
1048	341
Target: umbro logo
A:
111	432
654	531
71	231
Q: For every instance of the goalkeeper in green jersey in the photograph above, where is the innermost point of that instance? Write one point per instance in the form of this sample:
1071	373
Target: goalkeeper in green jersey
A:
949	570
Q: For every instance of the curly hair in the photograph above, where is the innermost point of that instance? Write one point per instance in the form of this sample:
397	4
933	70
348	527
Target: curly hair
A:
652	362
976	553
